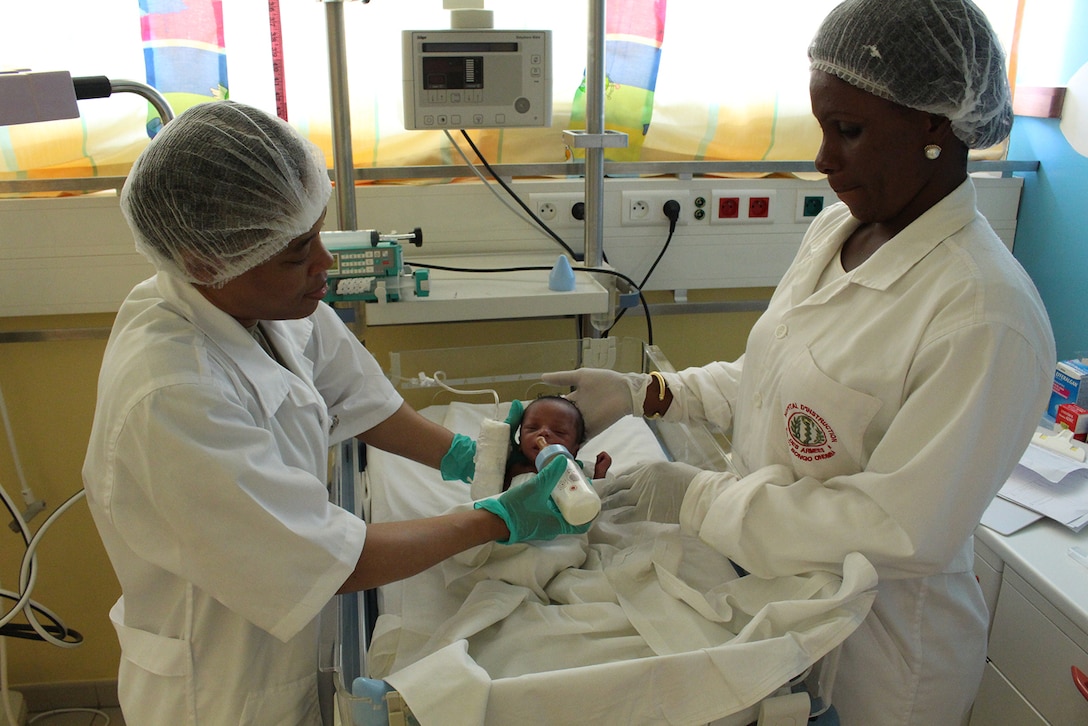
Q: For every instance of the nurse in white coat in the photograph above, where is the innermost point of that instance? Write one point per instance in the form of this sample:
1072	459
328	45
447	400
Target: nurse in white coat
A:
224	382
897	374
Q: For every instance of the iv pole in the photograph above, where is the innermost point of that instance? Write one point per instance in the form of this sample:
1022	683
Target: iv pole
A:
595	139
343	160
344	178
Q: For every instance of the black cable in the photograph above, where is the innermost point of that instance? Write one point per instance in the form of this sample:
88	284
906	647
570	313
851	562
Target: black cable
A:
672	211
26	543
578	211
565	246
529	268
518	199
26	631
33	630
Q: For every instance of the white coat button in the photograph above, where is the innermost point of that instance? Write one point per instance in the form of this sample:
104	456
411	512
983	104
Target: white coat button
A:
781	331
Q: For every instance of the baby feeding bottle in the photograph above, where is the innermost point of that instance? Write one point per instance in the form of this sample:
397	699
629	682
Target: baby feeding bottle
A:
575	497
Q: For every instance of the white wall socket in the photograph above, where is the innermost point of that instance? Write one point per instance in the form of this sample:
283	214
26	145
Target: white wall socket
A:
641	208
556	209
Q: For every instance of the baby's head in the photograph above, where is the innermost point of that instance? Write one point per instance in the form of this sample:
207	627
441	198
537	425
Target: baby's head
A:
553	419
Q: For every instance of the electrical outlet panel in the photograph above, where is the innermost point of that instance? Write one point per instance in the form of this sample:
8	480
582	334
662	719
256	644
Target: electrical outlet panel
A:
641	208
729	208
811	203
743	206
557	209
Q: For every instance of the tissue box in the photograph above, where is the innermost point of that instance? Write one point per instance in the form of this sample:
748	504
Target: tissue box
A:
1070	386
1074	418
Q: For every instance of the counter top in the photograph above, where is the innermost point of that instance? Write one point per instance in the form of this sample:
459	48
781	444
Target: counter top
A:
1040	554
491	296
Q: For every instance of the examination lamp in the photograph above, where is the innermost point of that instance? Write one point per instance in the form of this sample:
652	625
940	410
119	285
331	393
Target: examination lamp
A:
29	97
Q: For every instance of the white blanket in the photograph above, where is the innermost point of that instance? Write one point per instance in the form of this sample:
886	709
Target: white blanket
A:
632	623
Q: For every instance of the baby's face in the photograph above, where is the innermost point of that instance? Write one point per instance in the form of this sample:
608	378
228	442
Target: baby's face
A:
546	422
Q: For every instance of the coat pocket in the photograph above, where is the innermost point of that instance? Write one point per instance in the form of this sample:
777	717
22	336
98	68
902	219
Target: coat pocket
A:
289	704
824	421
153	664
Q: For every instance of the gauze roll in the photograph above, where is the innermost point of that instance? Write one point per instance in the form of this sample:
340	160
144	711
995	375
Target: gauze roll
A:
492	449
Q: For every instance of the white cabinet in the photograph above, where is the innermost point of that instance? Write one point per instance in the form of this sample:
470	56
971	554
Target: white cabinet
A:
988	566
999	703
1038	629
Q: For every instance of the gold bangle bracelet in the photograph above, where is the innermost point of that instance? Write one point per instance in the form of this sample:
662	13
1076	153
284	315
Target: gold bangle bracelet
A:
661	386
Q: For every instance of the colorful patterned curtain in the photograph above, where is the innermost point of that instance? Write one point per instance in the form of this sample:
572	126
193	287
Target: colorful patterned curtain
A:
729	81
184	52
634	31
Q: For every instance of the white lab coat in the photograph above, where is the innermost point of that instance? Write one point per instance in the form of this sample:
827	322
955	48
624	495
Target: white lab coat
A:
206	476
881	414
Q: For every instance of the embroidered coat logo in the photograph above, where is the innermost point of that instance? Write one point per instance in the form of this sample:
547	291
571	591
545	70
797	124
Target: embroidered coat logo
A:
811	437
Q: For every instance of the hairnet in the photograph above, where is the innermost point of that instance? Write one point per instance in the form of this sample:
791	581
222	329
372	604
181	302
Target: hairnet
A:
222	188
937	56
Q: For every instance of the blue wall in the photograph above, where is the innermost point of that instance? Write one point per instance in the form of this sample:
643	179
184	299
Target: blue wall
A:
1052	231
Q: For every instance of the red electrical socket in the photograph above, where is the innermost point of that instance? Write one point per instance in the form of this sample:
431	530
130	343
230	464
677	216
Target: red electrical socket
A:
729	208
759	207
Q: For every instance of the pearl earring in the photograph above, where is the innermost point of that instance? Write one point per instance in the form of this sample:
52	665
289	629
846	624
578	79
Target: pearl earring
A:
932	151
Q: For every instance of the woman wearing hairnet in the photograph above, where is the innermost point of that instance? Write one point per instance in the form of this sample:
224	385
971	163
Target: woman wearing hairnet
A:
897	374
224	382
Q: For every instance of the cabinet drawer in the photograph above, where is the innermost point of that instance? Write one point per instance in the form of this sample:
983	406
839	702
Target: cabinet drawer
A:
998	703
1035	654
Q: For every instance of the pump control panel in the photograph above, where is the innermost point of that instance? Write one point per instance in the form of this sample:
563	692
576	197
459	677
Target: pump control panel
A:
369	267
473	79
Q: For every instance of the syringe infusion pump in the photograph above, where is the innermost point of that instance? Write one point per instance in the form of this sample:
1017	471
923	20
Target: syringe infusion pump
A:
476	79
369	267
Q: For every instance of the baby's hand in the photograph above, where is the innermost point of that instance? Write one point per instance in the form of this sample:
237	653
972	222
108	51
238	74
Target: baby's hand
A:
600	468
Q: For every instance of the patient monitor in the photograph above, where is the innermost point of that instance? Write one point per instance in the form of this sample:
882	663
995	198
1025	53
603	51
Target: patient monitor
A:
477	78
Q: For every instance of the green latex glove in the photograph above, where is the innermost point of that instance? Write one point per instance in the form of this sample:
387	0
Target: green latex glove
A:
513	419
528	509
460	461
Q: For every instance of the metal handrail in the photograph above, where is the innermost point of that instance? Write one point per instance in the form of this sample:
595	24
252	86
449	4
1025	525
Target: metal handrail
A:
682	169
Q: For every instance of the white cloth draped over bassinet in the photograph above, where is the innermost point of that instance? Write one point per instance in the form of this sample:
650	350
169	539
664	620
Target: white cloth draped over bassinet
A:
631	623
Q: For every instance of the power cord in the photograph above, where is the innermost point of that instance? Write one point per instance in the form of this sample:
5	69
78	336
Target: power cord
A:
671	209
520	202
538	224
34	506
55	633
28	574
439	380
527	268
60	711
26	631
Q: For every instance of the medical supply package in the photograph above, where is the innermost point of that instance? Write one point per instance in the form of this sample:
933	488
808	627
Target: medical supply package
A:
1074	418
1070	385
